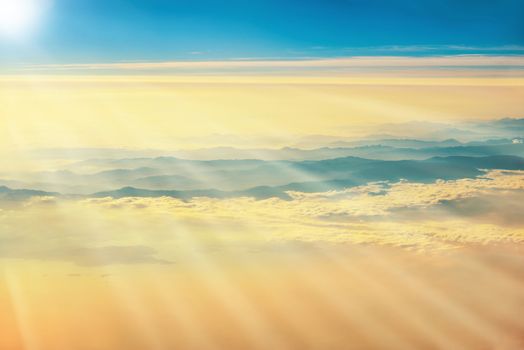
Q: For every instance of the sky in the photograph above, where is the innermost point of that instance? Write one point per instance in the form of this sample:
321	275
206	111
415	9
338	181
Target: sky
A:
259	68
264	70
118	30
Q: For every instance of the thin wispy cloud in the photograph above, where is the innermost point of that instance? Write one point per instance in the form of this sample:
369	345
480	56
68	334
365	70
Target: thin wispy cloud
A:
377	62
432	49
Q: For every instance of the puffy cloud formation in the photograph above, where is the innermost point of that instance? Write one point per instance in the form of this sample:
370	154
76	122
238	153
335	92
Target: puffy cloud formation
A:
418	216
329	269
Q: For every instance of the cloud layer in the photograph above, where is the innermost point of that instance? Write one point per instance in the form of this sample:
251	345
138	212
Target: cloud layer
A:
376	62
426	217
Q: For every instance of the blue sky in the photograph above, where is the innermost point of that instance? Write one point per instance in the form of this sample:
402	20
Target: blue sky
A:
113	30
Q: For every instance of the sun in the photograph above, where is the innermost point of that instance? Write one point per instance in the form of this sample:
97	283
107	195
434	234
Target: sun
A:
19	18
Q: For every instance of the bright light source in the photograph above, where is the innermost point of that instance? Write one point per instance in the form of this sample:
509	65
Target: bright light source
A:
18	18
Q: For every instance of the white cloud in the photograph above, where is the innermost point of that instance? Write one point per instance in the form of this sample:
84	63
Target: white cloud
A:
307	63
430	217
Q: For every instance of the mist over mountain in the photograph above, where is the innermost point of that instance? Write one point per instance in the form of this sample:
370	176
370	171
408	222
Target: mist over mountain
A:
8	194
406	135
274	179
348	172
386	149
164	173
463	132
262	172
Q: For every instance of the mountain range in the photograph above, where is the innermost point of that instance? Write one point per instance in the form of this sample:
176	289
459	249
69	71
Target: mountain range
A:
272	178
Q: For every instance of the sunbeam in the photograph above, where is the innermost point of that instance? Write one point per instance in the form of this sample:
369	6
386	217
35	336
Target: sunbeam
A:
210	175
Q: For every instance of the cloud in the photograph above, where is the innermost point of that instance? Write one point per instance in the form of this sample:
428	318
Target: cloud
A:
108	255
417	216
437	48
411	194
503	208
82	255
376	62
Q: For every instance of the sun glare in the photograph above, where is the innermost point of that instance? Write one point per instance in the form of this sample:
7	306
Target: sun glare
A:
18	18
